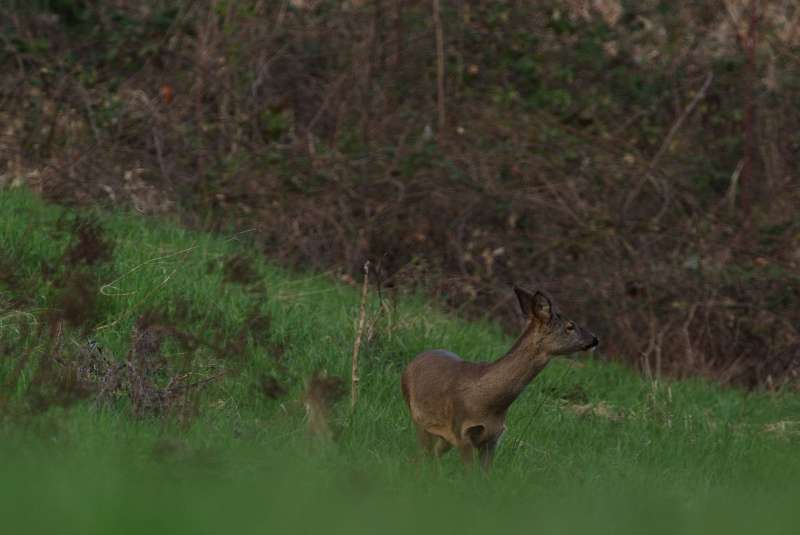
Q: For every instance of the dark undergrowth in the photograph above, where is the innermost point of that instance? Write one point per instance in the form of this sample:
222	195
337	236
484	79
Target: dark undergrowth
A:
637	160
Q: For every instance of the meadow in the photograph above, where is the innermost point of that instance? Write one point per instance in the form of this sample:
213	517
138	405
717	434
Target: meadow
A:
222	435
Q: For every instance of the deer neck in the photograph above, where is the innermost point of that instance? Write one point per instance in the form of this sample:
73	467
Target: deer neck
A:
507	377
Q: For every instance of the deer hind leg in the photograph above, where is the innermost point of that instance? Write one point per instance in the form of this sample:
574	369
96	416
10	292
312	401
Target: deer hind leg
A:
440	446
425	439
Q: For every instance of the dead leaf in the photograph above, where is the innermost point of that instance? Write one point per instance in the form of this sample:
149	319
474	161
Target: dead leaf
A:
601	410
783	427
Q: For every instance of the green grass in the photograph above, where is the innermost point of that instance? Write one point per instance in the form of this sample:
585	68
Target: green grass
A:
683	456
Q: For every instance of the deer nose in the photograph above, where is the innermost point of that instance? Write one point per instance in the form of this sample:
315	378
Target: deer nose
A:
595	342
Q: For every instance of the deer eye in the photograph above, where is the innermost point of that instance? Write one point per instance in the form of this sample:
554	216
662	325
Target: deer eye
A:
570	327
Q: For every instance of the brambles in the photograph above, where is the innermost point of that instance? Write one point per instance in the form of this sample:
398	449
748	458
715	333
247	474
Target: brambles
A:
77	299
239	269
270	388
145	381
88	246
49	316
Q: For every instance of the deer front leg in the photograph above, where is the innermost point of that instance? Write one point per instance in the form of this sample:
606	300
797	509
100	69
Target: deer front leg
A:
486	453
472	438
468	452
480	444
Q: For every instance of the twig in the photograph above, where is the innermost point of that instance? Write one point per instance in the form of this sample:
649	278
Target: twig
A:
235	237
701	93
746	180
202	382
688	336
359	334
437	25
733	188
734	17
104	289
679	122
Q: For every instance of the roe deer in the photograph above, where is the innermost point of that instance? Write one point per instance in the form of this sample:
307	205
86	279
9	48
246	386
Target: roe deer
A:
455	403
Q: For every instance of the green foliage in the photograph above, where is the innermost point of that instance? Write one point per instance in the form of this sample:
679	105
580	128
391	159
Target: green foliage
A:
275	124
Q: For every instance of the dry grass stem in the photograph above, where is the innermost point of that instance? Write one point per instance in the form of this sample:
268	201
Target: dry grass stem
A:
362	313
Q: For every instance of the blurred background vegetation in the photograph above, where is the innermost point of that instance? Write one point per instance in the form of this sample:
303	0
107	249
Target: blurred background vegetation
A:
636	159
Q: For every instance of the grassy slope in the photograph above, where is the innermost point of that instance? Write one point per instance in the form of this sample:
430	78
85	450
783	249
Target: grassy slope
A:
684	457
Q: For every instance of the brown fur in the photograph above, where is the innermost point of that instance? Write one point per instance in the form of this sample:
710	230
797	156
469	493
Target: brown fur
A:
455	403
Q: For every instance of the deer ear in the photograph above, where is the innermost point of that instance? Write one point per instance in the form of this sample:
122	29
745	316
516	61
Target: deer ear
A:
536	306
542	308
527	302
